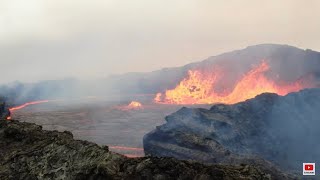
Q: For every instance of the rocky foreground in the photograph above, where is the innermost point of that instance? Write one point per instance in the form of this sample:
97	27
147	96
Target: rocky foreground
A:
281	130
28	152
4	111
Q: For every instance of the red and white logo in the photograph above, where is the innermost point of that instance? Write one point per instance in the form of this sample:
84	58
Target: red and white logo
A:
309	168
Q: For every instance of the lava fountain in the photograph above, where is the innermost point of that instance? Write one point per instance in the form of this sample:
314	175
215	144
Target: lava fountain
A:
133	105
198	87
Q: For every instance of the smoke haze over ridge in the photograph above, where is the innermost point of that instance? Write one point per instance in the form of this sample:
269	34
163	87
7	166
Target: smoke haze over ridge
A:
56	39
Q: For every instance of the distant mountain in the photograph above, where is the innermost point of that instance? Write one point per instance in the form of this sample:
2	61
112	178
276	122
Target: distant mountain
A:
280	129
287	63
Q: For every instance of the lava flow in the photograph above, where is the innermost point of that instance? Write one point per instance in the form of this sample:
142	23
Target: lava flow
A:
198	88
134	152
126	148
12	109
133	105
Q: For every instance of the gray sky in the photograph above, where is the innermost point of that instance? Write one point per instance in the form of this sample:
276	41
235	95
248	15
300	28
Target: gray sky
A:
50	39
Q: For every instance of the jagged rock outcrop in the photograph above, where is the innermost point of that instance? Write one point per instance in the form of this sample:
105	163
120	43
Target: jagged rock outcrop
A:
4	111
28	152
282	130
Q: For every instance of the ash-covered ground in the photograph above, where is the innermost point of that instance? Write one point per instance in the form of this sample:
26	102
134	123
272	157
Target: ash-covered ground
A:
99	121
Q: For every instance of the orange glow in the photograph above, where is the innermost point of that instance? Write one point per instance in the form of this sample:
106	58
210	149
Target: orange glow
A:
198	88
12	109
133	105
132	155
27	104
137	152
125	148
158	97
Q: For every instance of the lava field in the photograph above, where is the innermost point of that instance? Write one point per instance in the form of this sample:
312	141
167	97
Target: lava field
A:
102	122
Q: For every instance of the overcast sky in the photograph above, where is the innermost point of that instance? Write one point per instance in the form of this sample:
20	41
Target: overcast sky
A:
53	39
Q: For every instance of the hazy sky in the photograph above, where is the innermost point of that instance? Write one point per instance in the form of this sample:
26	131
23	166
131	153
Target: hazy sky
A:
50	39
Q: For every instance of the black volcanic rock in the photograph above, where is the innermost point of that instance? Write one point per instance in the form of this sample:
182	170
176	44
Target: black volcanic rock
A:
281	129
4	111
28	152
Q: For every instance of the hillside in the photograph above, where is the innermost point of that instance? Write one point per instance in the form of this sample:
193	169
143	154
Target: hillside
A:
279	129
287	64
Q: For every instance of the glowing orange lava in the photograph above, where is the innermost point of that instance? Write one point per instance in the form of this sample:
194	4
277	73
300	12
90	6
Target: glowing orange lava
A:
132	155
133	105
126	148
198	88
27	104
23	106
137	152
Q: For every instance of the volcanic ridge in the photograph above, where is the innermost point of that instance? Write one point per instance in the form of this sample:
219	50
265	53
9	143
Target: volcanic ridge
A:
283	130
